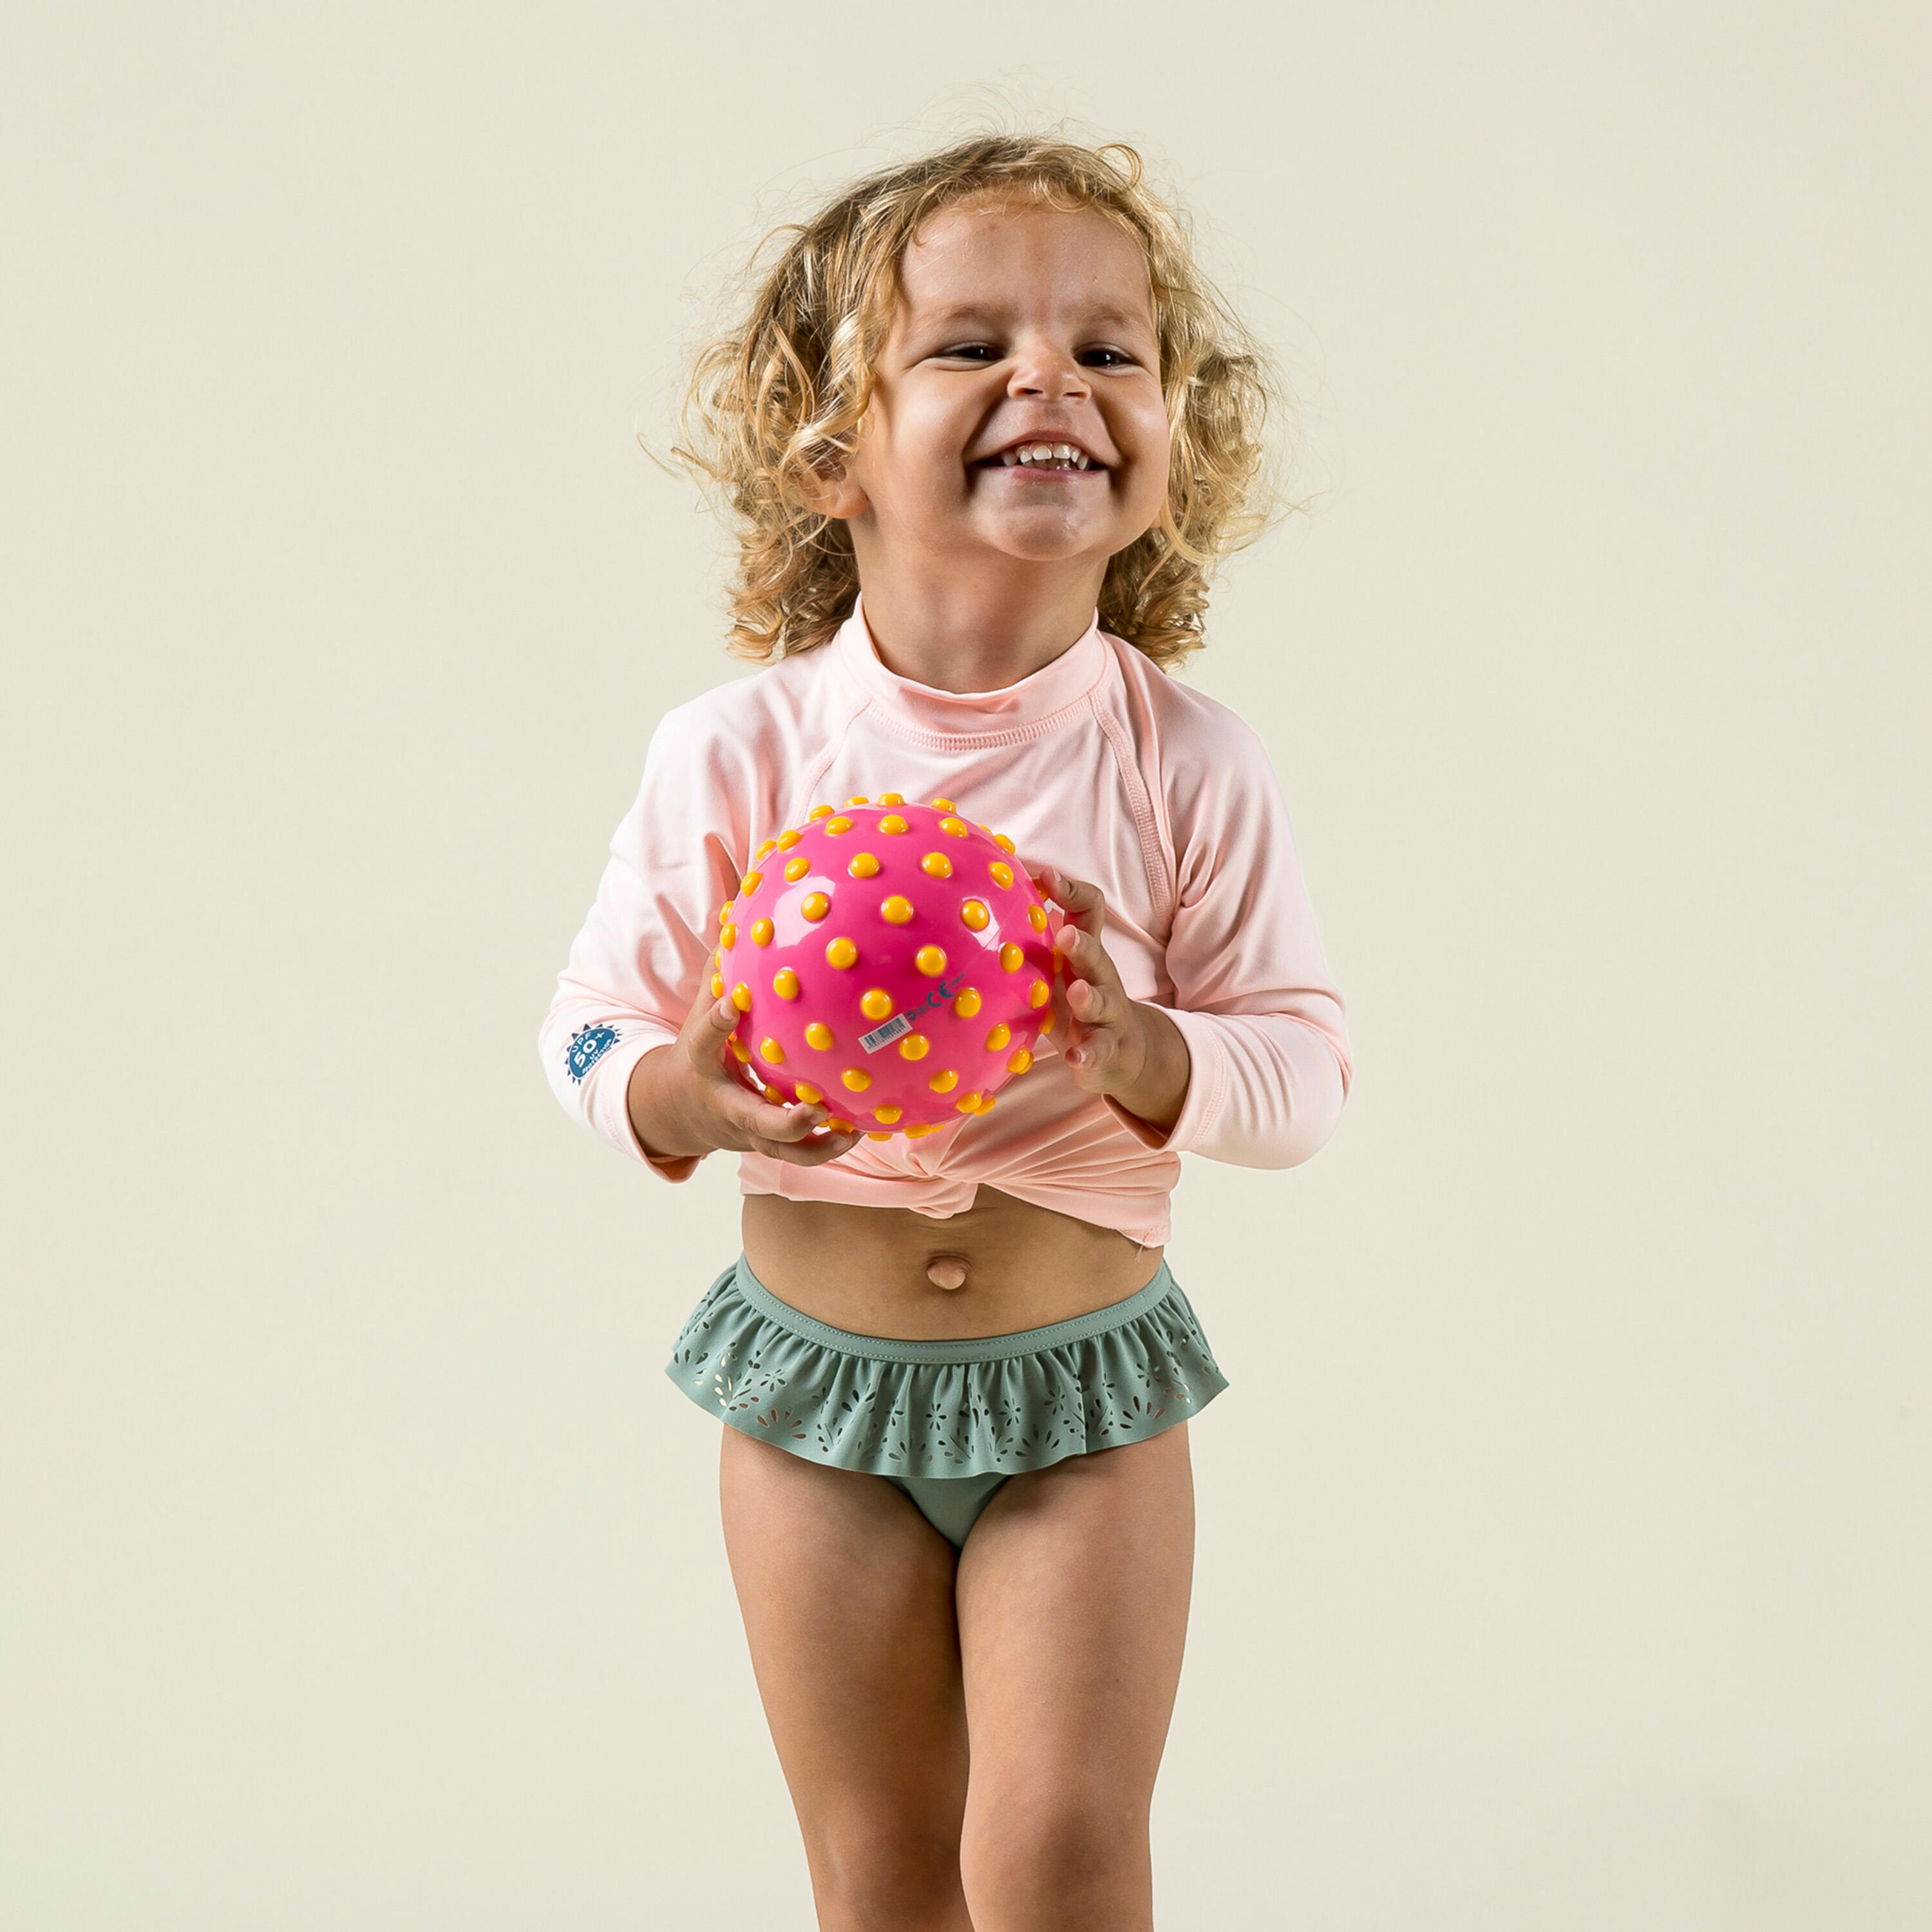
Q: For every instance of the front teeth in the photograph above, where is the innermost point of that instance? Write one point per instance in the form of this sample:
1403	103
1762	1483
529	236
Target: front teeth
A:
1050	455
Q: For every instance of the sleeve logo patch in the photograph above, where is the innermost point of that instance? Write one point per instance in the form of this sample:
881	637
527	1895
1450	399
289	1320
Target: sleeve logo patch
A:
588	1046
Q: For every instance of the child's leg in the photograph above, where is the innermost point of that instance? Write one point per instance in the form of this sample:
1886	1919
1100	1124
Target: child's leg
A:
1072	1597
847	1594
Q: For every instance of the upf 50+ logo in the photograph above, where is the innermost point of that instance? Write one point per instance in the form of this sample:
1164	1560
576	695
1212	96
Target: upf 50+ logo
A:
588	1046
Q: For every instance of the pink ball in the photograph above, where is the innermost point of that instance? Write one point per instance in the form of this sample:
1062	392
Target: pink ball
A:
891	961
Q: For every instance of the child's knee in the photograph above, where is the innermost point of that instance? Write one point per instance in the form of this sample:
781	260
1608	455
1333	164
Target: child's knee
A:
1070	1861
885	1873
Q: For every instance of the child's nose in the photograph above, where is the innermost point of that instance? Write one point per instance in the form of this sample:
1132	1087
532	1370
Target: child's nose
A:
1046	372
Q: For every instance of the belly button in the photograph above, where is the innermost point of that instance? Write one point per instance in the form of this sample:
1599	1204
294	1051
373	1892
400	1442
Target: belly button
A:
948	1272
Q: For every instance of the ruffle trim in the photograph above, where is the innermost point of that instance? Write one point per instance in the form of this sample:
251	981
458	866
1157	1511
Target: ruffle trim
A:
999	1404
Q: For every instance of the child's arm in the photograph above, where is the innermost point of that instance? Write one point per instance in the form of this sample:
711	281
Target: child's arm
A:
1266	1066
634	969
1264	1025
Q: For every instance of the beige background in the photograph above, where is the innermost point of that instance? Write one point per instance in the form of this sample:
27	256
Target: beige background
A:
1564	1558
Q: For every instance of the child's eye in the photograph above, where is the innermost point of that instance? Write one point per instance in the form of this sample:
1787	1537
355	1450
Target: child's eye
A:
1116	358
970	352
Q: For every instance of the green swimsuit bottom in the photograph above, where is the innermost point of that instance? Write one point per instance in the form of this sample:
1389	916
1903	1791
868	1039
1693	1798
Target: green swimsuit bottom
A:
946	1422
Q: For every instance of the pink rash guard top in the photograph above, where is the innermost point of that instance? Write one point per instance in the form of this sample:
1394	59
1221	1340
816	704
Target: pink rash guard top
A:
1098	764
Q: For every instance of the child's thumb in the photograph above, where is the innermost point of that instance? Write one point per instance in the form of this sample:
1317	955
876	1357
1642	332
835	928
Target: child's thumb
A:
718	1008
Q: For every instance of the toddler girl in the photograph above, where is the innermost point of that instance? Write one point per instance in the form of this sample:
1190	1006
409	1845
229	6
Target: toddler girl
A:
983	429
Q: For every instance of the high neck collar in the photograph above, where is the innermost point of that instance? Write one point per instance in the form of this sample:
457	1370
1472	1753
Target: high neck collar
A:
1032	702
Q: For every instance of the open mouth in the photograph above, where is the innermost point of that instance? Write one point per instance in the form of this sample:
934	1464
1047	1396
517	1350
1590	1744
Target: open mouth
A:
1041	455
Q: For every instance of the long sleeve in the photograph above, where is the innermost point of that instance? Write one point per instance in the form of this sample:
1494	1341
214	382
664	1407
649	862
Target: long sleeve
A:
1264	1026
633	969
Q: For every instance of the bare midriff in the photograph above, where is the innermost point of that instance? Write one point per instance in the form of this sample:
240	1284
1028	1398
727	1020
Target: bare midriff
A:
1003	1265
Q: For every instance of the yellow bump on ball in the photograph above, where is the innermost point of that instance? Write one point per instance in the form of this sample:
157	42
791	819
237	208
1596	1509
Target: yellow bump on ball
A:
771	1051
728	938
1046	1023
836	1126
741	996
915	1046
1000	839
856	1079
810	1095
967	1103
1037	995
819	1034
931	960
796	869
877	1004
717	987
887	1115
725	914
816	905
913	1133
818	811
788	838
1002	872
785	983
893	822
974	913
936	865
769	845
1037	918
998	1037
834	826
737	1047
955	828
750	884
772	1094
966	1002
858	801
1020	1062
761	931
892	798
941	804
863	865
871	1136
944	1081
840	952
1011	958
988	1102
897	910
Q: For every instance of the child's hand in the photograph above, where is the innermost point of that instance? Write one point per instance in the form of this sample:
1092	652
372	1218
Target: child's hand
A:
695	1104
1118	1046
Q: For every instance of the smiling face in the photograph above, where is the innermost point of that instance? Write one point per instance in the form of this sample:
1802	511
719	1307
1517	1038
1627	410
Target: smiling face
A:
1017	412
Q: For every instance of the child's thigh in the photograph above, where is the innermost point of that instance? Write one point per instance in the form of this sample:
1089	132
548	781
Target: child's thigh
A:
1072	1599
846	1595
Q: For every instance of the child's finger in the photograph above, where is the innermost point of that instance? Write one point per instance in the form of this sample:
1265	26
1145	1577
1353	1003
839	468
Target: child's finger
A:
1086	957
749	1110
779	1131
706	1032
710	1033
1078	898
799	1139
769	1120
1094	1005
782	1132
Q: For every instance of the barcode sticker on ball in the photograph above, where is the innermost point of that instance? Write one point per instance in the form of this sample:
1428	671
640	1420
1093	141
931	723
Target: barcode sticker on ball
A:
884	1036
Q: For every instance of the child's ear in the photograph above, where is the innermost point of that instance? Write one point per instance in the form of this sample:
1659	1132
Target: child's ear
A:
833	493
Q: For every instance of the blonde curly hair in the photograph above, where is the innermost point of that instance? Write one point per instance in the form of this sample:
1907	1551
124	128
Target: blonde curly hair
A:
783	393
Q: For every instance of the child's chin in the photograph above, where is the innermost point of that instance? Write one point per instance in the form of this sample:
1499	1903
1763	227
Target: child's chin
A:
1045	536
